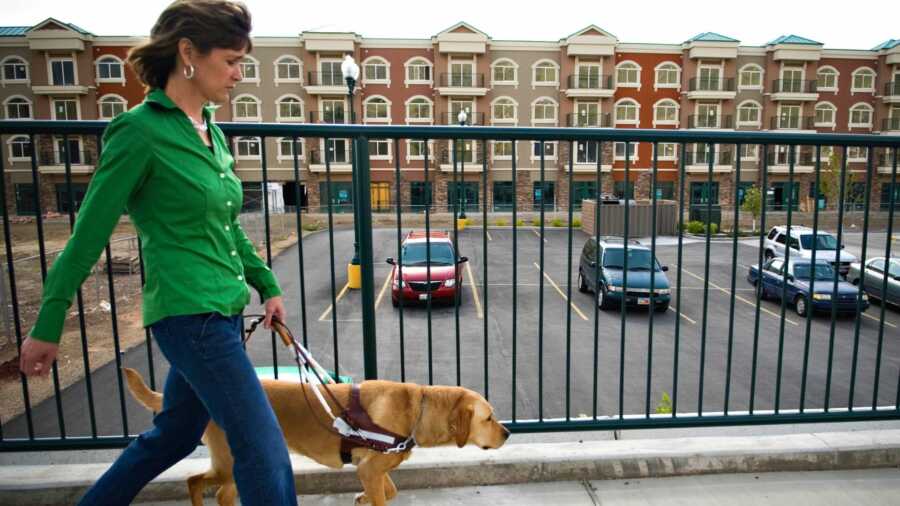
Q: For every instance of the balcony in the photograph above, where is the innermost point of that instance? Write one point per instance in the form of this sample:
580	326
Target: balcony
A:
60	90
338	117
54	161
470	161
339	163
472	118
702	88
325	83
716	121
468	84
890	124
892	93
792	123
698	161
603	120
590	86
794	89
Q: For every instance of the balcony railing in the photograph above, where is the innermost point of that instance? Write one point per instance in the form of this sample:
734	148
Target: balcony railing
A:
792	123
793	86
325	79
602	120
711	84
890	124
706	121
702	158
472	118
316	158
338	117
462	80
57	157
589	82
892	88
800	158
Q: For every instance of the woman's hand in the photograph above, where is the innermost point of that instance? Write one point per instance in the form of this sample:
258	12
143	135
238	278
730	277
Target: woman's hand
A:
274	308
36	357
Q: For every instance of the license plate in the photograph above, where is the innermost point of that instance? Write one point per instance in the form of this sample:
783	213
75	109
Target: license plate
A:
423	296
643	301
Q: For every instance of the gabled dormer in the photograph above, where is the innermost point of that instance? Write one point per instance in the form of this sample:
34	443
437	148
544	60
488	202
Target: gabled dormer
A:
711	45
54	35
461	38
457	60
590	41
794	47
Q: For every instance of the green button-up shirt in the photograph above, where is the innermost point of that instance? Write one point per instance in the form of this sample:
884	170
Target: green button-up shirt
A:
184	201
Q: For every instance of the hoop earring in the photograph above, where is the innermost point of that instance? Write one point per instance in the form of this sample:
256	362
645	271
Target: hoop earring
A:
188	75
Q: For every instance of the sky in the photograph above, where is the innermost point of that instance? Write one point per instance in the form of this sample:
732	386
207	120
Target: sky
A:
861	24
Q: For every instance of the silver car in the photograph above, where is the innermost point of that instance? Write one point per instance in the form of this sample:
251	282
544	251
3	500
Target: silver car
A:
874	279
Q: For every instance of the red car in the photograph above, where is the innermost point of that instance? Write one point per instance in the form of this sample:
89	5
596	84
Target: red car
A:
415	266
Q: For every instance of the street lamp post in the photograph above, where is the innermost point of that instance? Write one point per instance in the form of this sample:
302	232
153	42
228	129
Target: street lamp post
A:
350	71
461	118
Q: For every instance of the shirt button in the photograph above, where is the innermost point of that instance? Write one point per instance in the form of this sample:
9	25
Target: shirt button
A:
227	228
228	203
240	278
233	252
222	175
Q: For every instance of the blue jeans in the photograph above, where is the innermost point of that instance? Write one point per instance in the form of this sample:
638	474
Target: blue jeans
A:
210	375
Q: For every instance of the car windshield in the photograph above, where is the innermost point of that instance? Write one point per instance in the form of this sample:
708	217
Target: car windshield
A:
822	241
415	253
894	269
638	259
823	271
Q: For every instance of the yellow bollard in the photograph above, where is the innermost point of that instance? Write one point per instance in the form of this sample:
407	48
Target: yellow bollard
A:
461	224
354	276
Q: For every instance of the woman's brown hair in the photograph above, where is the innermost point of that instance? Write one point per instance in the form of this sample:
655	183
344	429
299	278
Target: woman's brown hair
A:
208	24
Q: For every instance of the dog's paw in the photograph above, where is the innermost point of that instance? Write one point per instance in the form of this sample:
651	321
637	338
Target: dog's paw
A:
361	498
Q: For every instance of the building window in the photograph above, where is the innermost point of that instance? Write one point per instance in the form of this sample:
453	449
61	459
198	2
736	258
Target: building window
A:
246	108
375	70
339	150
20	148
420	195
504	196
62	196
73	150
549	150
619	150
377	109
628	74
285	150
25	196
380	149
18	108
543	195
111	106
826	79
15	70
863	80
667	150
587	152
750	152
667	76
749	114
250	69
247	147
886	191
418	109
789	116
861	116
504	72
418	71
707	116
287	69
582	190
750	77
503	109
290	108
545	74
857	153
65	109
544	111
109	68
627	112
665	113
502	150
62	72
416	149
704	193
825	115
624	190
333	111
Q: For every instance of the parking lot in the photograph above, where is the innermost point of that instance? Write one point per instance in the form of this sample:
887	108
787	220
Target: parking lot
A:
518	334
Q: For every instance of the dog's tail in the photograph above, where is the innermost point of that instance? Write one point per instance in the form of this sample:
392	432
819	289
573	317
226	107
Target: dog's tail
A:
141	392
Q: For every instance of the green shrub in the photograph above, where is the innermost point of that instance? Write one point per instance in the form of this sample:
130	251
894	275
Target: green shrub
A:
576	222
520	222
501	222
311	227
713	228
557	222
535	222
665	405
696	227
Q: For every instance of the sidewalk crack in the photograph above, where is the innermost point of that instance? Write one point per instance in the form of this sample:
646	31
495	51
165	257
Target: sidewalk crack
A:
591	492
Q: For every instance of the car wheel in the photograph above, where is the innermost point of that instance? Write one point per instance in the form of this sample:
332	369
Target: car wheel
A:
662	307
760	291
800	305
582	285
768	255
394	302
603	301
855	282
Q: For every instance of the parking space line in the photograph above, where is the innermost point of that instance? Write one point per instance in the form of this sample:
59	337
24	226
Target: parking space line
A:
889	324
561	293
387	281
328	310
474	292
488	235
738	297
537	234
672	309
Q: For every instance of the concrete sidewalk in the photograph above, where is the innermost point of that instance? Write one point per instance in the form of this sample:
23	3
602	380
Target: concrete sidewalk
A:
534	466
835	488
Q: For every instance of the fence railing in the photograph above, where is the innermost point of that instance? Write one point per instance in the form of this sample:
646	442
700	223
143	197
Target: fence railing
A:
713	355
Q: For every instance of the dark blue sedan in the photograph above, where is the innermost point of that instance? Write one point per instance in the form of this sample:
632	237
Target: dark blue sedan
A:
799	287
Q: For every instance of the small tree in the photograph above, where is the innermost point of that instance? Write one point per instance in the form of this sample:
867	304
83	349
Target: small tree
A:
830	179
752	203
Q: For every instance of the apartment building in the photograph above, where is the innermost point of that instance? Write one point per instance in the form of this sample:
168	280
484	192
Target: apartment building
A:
590	79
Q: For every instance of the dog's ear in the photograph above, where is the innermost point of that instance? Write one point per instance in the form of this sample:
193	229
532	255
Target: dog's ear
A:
463	422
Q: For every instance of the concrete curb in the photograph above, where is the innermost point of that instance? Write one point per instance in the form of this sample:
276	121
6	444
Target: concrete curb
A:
515	463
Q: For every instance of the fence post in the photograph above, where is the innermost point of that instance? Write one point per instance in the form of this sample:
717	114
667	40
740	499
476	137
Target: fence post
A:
363	206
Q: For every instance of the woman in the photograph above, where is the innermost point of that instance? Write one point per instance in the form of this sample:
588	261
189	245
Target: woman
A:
168	165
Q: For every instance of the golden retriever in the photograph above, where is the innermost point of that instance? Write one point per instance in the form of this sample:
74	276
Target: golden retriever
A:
451	415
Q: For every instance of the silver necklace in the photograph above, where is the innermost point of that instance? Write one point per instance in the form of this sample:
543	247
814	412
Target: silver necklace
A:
199	125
